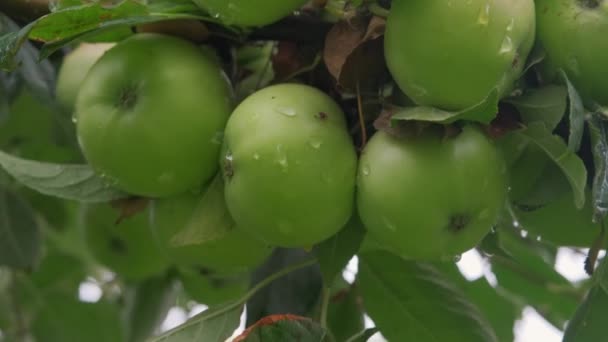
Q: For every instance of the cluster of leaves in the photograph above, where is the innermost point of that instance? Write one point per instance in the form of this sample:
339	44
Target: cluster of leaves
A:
555	146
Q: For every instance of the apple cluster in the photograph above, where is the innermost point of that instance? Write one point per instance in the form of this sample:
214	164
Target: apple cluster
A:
155	116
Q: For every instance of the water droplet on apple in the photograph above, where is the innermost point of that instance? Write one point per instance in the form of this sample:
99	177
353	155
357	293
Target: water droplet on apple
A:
282	158
506	46
316	144
366	170
484	15
286	111
390	225
511	25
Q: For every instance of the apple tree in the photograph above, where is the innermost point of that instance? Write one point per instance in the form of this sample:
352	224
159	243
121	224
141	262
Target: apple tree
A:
220	157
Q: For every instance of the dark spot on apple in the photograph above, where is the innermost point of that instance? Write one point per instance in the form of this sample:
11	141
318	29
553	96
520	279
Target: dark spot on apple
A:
118	246
458	222
515	60
127	97
322	116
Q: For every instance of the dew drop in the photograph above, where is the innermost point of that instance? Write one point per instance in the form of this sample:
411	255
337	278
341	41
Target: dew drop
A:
286	111
523	233
511	25
316	144
282	158
484	15
506	46
365	170
390	225
74	119
456	258
256	156
229	156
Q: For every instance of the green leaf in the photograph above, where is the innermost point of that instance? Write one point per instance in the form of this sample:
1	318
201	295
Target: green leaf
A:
334	253
559	222
547	105
63	318
589	322
527	171
483	112
500	310
598	127
284	328
577	115
73	182
297	293
254	60
210	219
146	306
548	185
218	323
10	44
53	277
555	148
38	76
215	324
495	306
345	316
527	274
364	335
78	22
19	232
412	301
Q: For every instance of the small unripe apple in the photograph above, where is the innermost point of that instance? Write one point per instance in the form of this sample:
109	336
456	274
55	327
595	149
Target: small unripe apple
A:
74	69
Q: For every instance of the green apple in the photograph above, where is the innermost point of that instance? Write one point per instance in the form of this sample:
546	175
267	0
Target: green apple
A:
452	54
248	12
219	245
149	115
129	247
289	166
74	69
430	197
573	34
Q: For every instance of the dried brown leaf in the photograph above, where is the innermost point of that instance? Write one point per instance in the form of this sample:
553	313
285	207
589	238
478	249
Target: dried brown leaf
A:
354	52
129	207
